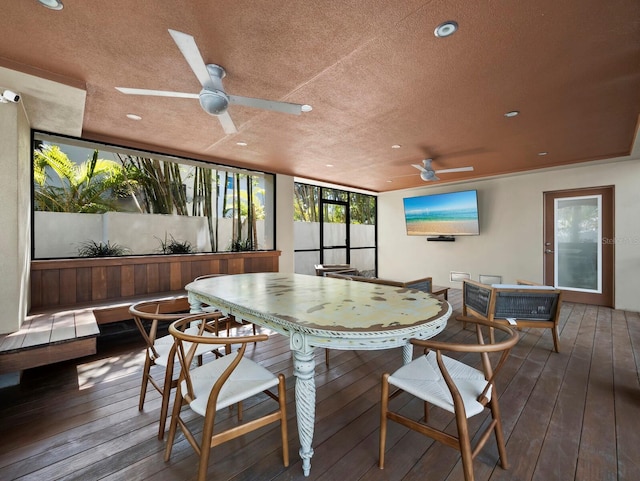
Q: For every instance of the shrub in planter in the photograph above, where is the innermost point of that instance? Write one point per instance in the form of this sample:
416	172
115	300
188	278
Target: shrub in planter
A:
98	249
173	246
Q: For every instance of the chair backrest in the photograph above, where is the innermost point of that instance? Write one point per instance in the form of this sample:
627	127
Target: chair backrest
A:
346	275
323	269
478	299
425	284
147	315
527	302
187	343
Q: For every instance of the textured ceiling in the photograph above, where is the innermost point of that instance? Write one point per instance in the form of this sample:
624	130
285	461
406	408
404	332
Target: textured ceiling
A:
373	71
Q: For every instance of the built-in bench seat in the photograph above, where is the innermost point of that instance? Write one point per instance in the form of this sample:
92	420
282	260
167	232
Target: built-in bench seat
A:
72	298
63	333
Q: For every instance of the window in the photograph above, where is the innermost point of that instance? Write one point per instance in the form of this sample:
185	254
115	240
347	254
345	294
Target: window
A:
93	199
333	226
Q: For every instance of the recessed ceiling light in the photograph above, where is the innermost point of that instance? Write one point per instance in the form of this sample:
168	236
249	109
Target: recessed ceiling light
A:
396	146
513	113
134	117
52	4
542	154
306	108
329	165
241	144
446	29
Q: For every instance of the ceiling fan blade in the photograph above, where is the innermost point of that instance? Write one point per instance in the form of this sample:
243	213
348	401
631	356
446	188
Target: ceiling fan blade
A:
187	45
419	167
227	124
157	93
457	169
274	105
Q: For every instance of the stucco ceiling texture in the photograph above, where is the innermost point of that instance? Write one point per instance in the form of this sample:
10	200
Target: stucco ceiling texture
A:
373	71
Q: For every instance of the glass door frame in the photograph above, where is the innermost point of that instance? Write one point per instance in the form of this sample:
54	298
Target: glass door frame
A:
606	240
346	246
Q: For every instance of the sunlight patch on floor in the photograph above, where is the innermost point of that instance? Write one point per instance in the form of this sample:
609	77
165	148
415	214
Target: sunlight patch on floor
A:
109	369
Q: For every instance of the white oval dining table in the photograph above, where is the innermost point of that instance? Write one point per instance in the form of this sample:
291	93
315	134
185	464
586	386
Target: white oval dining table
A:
325	312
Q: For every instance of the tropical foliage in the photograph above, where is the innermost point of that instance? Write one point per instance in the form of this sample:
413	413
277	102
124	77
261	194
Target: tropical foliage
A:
90	187
242	202
150	185
306	205
306	202
160	182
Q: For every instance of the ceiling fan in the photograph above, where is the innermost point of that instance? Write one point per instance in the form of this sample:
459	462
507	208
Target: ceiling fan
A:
213	98
427	173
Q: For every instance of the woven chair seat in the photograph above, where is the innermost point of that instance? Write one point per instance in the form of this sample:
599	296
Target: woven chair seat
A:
422	378
248	379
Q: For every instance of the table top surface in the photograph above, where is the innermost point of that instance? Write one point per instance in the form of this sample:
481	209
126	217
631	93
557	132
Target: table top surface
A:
322	303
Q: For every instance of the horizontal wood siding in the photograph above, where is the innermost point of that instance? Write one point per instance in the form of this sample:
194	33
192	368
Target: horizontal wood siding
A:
69	282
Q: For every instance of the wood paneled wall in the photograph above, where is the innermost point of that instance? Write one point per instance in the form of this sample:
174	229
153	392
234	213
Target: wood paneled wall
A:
69	282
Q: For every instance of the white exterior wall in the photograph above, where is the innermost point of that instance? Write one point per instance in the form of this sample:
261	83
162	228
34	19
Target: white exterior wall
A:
307	236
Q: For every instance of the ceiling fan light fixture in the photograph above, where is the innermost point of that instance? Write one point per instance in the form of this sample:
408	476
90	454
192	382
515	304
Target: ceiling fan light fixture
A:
52	4
214	102
306	108
428	175
446	29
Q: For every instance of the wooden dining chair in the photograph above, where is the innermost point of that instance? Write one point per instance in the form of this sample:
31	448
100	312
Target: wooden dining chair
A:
232	320
461	389
219	384
149	317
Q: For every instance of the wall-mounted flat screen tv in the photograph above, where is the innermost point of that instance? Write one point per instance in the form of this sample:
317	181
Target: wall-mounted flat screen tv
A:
450	214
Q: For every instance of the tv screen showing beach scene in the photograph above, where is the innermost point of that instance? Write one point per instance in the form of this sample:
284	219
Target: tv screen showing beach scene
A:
450	214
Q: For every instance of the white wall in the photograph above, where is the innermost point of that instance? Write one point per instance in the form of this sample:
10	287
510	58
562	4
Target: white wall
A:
284	221
61	234
307	236
15	215
510	243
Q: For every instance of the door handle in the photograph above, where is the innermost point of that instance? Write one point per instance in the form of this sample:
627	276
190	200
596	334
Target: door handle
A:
548	251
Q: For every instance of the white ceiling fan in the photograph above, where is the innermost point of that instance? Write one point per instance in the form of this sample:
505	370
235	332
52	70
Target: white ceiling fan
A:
427	173
213	98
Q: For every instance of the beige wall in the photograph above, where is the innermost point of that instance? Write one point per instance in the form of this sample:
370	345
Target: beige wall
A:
511	221
15	215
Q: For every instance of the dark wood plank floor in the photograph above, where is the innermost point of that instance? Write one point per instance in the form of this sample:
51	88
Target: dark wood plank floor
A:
568	416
